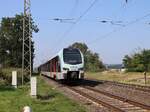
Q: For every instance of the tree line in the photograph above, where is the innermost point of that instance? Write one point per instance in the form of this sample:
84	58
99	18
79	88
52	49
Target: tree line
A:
11	33
138	62
92	60
11	38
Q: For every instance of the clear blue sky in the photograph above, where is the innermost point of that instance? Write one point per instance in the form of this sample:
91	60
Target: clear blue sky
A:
111	48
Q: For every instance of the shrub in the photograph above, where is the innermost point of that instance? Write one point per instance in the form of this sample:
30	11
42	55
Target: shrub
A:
6	76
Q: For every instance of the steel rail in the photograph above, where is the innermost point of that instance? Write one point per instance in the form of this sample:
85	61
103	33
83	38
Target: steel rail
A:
138	104
115	109
133	86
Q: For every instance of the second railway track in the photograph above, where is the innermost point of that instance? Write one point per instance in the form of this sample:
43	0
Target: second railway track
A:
114	103
131	86
95	100
138	104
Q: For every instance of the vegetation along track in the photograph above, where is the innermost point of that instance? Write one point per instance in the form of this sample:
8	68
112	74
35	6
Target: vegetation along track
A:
132	86
114	103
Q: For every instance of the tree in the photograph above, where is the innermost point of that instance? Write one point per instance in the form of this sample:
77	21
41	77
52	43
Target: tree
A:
92	60
11	34
82	46
139	62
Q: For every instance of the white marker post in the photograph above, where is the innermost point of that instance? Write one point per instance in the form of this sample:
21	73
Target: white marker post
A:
27	109
14	79
33	86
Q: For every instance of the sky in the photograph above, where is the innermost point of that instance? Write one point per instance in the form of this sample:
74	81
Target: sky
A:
110	40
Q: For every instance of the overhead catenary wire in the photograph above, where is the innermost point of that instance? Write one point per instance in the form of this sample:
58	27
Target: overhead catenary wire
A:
60	40
74	21
64	20
107	35
103	21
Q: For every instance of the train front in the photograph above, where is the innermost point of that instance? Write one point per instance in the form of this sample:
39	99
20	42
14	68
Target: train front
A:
72	64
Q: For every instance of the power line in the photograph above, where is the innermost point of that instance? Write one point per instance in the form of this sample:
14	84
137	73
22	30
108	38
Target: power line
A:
78	19
72	20
103	21
116	30
64	20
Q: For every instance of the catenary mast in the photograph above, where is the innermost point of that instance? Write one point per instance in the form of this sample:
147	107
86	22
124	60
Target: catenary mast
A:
26	46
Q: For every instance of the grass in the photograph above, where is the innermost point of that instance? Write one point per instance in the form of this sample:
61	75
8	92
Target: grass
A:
7	75
8	71
131	78
13	100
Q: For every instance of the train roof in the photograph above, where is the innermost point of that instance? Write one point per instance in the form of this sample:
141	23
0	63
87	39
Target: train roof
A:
57	55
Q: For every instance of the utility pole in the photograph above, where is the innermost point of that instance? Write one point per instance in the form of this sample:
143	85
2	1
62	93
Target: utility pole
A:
26	46
145	77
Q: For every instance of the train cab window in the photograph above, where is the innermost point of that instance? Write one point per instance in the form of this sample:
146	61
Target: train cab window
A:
72	56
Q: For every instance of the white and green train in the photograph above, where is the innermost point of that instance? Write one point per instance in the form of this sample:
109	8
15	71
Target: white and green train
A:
67	64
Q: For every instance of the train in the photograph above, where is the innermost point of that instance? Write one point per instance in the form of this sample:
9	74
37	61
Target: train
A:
67	64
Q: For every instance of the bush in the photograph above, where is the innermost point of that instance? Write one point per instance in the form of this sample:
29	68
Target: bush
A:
138	62
92	60
3	79
3	82
6	76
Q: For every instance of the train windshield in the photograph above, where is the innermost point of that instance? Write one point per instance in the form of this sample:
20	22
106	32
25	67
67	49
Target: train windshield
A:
72	56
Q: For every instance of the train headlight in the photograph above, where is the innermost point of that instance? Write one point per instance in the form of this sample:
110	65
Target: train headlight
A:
66	69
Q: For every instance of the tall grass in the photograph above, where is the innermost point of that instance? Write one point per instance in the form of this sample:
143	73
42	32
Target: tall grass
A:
6	76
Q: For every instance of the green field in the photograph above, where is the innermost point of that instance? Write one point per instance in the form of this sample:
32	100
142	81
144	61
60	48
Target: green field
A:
49	100
131	77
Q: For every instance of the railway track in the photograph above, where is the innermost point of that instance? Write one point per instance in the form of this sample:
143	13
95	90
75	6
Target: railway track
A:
119	98
131	86
112	102
111	107
104	99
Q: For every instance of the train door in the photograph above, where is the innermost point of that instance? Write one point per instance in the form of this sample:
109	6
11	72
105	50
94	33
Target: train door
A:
51	69
59	69
58	72
54	64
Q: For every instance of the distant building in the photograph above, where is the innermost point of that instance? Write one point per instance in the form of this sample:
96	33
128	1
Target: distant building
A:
115	67
123	70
